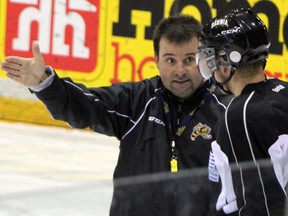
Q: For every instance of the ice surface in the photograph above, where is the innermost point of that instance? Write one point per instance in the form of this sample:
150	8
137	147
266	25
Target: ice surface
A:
55	171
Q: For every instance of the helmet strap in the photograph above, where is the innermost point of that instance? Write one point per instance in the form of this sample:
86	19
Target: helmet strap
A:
264	64
232	72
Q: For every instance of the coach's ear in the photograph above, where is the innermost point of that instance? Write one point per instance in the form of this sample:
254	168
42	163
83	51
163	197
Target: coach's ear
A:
156	57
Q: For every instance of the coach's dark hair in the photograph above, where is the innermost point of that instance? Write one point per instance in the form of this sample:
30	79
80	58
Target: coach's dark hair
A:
176	29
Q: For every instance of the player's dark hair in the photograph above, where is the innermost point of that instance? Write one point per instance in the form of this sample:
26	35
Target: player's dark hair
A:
176	29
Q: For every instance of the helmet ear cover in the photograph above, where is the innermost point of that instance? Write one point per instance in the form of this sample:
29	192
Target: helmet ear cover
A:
240	34
208	61
223	59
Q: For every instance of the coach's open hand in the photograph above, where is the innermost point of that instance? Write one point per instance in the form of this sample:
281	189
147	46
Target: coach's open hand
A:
27	71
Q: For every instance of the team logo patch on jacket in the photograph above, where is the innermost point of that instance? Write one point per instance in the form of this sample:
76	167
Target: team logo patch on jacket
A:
201	130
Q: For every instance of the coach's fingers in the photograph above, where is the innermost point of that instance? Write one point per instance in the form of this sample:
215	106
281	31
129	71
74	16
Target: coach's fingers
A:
7	65
14	60
36	52
14	77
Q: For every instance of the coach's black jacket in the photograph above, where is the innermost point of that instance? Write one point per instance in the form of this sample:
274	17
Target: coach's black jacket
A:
134	113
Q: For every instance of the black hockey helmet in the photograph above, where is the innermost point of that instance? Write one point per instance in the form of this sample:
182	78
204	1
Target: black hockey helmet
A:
241	35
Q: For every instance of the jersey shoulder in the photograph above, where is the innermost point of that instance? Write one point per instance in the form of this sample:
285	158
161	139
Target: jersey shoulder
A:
277	86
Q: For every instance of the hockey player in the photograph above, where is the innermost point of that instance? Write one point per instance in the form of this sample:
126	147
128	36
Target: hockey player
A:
248	165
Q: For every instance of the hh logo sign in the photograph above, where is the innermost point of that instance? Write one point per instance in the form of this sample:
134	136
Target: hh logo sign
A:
67	31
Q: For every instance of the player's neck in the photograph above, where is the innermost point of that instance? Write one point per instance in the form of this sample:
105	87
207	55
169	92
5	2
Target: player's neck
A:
238	83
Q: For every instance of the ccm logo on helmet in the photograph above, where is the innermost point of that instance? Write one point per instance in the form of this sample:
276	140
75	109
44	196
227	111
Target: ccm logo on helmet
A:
231	31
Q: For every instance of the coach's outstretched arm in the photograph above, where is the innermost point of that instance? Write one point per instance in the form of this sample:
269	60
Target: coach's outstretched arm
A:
27	71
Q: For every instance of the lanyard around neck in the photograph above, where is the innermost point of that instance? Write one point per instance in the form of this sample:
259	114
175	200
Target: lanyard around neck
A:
181	126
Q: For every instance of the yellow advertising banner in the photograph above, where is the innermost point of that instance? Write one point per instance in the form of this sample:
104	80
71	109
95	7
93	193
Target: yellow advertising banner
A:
99	42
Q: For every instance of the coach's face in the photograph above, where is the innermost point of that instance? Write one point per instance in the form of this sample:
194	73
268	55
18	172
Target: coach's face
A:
178	69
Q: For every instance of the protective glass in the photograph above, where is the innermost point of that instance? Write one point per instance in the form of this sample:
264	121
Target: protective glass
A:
206	62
